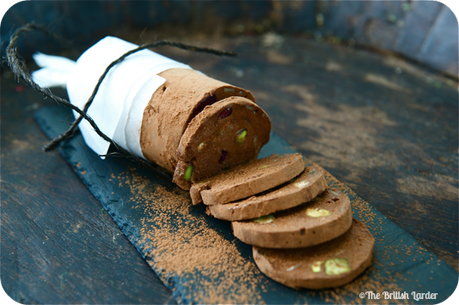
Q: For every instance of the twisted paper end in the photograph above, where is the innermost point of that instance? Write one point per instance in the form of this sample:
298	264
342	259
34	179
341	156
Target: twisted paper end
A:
54	72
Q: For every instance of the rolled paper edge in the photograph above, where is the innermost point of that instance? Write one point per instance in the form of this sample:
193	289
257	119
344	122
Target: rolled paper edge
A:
110	101
138	99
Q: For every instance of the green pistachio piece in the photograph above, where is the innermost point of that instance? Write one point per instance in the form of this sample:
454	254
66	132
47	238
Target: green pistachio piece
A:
337	266
317	212
188	171
264	166
265	219
240	136
316	266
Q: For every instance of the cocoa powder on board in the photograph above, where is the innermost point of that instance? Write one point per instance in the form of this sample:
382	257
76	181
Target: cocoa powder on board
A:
178	243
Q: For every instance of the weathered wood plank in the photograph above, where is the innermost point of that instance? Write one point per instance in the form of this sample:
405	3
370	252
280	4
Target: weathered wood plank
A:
58	244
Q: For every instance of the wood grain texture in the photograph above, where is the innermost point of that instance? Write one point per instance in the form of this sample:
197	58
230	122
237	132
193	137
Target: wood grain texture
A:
58	244
424	31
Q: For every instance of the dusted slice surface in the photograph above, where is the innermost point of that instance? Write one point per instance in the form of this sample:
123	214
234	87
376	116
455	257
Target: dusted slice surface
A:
327	265
225	134
303	188
319	220
247	179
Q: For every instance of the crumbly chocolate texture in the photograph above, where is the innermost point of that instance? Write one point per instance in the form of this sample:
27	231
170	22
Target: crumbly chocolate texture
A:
223	135
328	265
247	179
309	184
173	105
325	217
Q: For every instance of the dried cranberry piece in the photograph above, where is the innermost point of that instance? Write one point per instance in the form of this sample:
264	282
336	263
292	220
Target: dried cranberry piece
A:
225	113
209	100
223	156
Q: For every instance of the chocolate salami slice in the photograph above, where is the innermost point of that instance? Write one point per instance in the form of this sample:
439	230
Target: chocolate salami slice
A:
173	106
303	188
319	220
327	265
223	135
247	179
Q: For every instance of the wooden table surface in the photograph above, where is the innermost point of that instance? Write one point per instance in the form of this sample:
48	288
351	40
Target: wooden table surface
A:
386	128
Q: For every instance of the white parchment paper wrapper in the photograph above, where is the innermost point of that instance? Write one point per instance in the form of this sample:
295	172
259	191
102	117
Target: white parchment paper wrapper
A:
118	106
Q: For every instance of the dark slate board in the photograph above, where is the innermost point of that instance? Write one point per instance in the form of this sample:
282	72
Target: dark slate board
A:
159	220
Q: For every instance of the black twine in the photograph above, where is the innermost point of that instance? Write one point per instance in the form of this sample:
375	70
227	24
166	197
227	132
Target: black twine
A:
18	67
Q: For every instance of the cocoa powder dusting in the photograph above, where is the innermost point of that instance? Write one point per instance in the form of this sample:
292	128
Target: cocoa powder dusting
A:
180	245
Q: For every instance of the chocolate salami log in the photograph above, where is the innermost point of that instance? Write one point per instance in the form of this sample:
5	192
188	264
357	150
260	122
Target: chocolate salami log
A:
199	125
159	109
208	134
